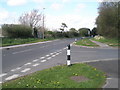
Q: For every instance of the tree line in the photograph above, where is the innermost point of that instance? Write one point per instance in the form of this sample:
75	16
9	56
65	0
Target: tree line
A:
31	25
108	21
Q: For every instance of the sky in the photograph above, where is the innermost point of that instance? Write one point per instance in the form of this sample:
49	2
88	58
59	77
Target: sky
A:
75	13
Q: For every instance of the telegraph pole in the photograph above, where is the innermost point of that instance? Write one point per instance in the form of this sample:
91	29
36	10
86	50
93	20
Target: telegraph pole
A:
43	24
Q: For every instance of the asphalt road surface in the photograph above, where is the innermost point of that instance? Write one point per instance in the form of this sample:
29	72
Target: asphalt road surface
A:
110	67
21	61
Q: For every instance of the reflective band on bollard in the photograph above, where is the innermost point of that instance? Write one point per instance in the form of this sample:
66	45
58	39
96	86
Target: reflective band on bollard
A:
68	55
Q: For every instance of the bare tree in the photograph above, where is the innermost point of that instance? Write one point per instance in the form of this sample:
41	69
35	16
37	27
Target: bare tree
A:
32	19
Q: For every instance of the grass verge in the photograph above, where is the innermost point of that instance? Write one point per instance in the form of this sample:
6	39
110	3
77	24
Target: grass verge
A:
108	41
86	42
17	41
59	77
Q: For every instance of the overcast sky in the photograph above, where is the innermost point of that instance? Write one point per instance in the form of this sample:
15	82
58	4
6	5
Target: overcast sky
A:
75	13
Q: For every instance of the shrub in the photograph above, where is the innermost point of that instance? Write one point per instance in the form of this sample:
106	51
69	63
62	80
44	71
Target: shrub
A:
16	31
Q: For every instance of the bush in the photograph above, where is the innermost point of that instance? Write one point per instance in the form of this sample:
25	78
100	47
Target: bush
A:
16	31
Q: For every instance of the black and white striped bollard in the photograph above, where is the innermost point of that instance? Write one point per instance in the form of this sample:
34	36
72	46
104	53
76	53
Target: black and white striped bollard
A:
68	56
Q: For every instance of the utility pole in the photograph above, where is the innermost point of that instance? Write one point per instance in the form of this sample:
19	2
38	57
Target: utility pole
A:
43	24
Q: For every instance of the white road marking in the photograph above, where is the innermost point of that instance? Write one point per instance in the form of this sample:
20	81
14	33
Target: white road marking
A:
49	58
27	63
51	53
16	69
109	78
35	60
43	60
42	57
64	48
57	53
22	51
1	75
36	64
12	77
25	70
47	55
60	50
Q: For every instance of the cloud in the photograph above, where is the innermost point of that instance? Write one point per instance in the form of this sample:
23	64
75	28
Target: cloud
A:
79	7
72	21
56	6
3	13
38	1
64	1
7	17
16	2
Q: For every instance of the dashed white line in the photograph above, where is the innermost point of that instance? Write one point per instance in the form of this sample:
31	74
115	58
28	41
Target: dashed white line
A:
35	60
57	53
16	69
27	63
36	64
12	77
49	58
1	75
51	53
43	60
47	55
42	57
25	70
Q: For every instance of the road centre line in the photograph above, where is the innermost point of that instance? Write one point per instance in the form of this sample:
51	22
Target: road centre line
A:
25	70
42	57
1	75
57	53
53	55
43	60
27	64
12	77
16	69
35	64
49	57
35	60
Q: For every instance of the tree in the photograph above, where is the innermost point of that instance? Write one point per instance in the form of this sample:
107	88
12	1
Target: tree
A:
94	31
16	31
63	26
84	31
32	19
73	32
107	21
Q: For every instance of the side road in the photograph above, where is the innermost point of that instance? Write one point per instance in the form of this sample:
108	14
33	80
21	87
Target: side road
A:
102	45
23	45
110	67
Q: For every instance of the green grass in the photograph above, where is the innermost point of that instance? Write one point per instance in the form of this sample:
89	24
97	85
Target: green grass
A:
59	77
108	41
17	41
86	42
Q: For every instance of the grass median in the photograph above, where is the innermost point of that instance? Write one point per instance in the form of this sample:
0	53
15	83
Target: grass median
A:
109	41
61	77
17	41
86	42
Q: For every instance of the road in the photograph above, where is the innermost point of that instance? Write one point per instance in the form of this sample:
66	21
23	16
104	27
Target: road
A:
21	61
110	67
